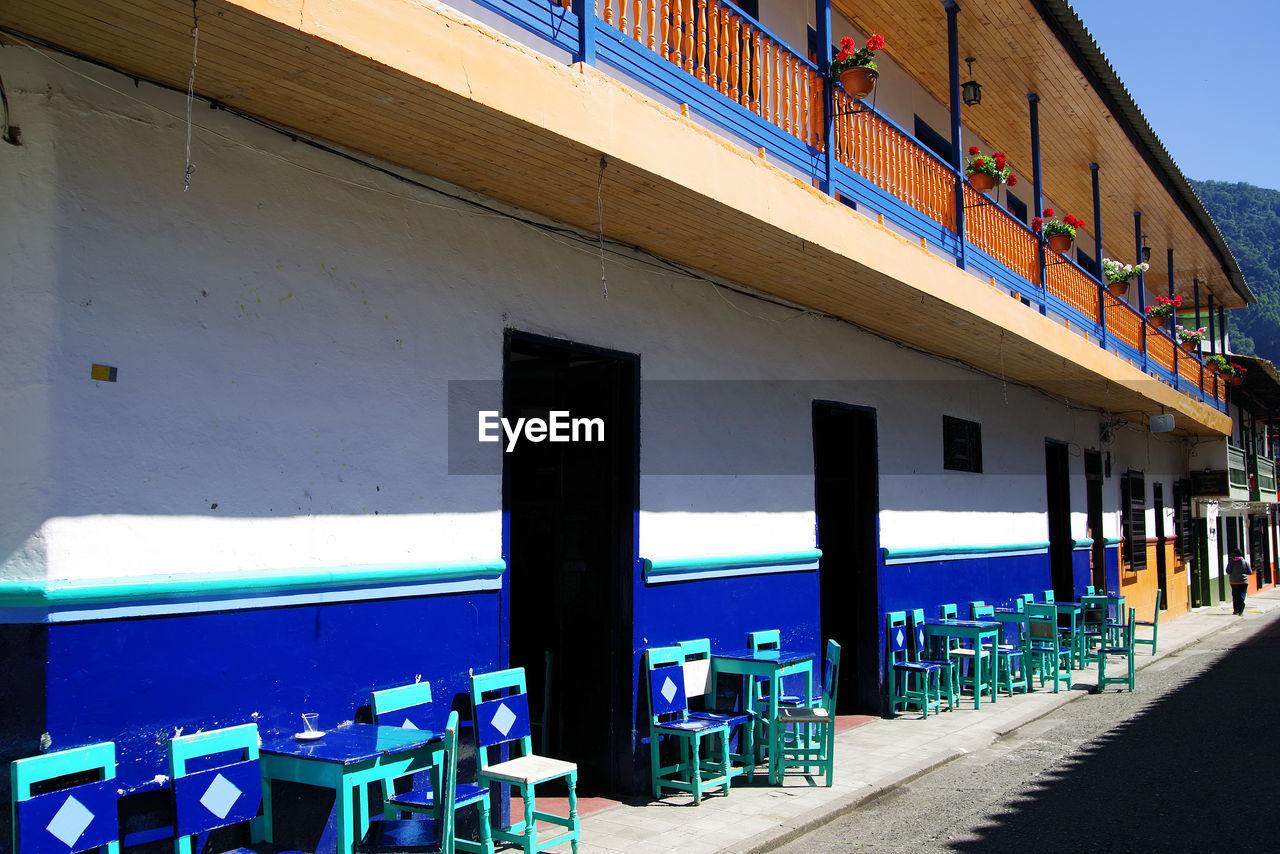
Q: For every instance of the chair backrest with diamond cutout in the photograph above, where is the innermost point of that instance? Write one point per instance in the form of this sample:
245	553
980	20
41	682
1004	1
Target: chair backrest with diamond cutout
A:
49	818
206	798
919	646
407	707
897	636
504	716
667	701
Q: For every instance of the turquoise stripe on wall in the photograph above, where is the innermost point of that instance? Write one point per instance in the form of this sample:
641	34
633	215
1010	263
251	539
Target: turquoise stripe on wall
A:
667	570
939	553
60	600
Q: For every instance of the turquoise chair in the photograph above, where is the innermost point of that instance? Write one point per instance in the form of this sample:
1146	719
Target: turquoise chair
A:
974	606
956	650
1093	620
202	799
1011	662
949	668
73	817
502	718
910	682
228	794
1153	624
1050	658
408	707
700	694
1123	650
760	689
814	743
1048	596
423	835
1028	598
669	719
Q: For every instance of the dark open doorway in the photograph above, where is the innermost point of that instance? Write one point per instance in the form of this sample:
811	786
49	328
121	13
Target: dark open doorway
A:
570	508
1061	543
1093	518
1162	579
847	502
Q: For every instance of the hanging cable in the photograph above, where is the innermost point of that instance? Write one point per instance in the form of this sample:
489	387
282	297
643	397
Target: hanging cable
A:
191	92
600	216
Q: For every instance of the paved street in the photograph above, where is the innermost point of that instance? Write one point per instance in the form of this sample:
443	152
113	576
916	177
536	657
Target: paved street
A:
1188	762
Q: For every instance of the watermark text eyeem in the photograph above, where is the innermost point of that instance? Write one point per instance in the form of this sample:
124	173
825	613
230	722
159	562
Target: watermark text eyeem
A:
559	426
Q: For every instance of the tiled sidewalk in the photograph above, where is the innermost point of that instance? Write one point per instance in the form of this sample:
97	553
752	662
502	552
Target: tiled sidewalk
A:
871	757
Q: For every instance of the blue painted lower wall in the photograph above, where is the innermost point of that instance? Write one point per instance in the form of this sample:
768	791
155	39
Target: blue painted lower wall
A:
996	580
724	610
138	681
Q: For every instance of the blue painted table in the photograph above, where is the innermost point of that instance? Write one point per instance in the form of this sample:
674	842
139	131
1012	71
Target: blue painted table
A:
765	664
980	632
346	760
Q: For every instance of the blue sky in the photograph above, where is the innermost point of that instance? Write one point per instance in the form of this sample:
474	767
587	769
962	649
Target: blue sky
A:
1200	73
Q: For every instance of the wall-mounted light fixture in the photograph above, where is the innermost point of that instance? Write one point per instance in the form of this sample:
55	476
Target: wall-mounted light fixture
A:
1146	250
971	90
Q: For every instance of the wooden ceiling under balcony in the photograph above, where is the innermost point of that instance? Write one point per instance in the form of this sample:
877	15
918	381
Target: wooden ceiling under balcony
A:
432	91
1018	53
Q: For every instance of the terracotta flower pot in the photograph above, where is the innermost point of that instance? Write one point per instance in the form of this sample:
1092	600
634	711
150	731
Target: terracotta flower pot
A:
981	181
859	82
1215	368
1237	380
1189	346
1061	242
1117	289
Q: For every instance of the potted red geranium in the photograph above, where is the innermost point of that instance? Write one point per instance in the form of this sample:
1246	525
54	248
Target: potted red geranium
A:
1164	307
1060	232
1234	373
986	171
855	67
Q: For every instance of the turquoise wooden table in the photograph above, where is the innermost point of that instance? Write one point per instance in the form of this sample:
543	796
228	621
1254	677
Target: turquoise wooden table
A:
980	632
346	760
765	664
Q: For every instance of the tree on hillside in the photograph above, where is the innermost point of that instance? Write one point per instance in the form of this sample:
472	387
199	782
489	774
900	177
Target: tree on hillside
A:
1249	219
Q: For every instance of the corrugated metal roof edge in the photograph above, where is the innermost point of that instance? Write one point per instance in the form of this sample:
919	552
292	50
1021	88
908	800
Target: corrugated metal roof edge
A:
1072	34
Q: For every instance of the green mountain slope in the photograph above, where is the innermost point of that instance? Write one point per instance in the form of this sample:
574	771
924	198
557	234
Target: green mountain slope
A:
1249	218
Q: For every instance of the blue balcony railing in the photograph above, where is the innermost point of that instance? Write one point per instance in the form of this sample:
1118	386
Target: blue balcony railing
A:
724	66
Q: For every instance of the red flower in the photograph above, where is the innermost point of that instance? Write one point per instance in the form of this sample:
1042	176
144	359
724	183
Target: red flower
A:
1013	181
1048	211
973	149
848	43
1000	160
1036	223
842	56
876	42
1177	301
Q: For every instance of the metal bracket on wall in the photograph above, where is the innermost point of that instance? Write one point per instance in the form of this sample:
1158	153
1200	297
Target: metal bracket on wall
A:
859	105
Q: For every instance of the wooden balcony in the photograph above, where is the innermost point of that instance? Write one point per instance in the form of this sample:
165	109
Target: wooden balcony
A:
419	85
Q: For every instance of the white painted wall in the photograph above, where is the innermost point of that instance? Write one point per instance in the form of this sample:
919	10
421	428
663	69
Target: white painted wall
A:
285	332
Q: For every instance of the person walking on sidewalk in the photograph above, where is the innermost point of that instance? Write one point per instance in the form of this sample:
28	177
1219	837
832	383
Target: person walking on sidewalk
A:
1238	572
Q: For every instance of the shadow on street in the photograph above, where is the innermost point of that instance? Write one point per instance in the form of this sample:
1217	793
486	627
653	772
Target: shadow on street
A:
1197	769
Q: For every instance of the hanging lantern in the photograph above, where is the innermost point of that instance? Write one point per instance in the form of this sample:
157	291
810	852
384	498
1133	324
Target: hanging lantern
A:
971	90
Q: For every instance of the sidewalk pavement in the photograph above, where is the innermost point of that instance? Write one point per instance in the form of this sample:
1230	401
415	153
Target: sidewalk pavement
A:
873	756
